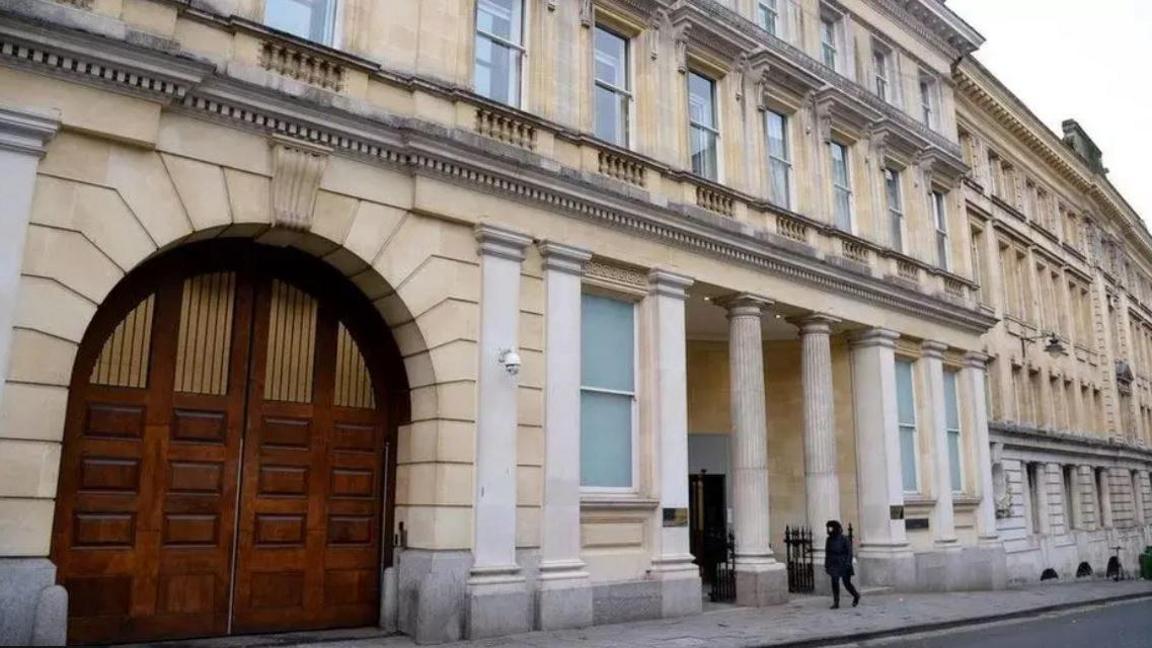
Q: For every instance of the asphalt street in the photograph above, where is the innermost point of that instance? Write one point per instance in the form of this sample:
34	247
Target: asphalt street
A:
1121	625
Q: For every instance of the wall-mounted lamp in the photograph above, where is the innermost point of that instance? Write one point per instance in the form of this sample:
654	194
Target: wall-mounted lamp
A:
1053	347
510	360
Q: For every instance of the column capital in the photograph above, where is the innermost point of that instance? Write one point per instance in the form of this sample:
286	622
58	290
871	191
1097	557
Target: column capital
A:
564	258
27	130
668	284
743	304
810	323
976	359
933	349
874	337
502	242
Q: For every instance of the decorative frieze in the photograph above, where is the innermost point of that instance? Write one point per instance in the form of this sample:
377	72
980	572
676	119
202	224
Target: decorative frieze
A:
297	168
505	128
616	275
302	65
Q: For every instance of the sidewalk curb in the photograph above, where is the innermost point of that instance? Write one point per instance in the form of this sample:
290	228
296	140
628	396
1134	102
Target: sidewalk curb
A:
832	640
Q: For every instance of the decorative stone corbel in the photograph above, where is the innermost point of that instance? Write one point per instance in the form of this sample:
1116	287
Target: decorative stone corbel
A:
926	162
823	112
680	40
297	167
762	84
587	14
878	144
743	72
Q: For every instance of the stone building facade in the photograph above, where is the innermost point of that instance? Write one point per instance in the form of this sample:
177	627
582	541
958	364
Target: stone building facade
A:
471	317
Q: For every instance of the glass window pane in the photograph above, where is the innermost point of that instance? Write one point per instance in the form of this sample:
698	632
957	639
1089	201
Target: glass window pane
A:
780	190
605	440
954	460
951	413
310	19
703	152
843	210
777	135
905	394
700	106
839	164
497	71
908	457
500	18
892	184
608	336
607	115
611	58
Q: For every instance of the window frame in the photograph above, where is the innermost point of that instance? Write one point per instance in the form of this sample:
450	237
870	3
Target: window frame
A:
957	476
833	43
896	221
713	129
846	188
909	426
520	48
775	161
625	93
634	419
885	56
938	199
334	33
764	8
929	102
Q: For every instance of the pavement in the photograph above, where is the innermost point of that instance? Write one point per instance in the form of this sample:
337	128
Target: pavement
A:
804	621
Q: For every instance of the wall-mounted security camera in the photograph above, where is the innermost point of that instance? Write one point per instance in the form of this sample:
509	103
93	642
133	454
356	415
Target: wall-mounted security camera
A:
511	361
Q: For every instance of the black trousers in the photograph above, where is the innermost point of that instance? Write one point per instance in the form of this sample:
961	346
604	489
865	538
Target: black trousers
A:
847	585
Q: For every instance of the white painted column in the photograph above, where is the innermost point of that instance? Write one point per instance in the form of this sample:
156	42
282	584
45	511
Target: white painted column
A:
880	489
559	604
822	483
943	517
24	136
973	376
496	585
669	427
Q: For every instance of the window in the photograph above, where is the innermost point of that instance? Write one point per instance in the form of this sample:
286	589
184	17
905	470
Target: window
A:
703	132
928	101
499	50
940	218
768	13
841	186
980	266
881	74
895	209
314	20
829	38
607	393
779	158
1035	516
1071	506
952	426
906	417
613	87
1103	499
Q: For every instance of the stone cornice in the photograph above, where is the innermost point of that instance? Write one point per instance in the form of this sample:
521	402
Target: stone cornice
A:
1027	438
26	131
412	146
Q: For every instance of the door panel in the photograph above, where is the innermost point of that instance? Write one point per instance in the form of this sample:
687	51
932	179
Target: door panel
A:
223	467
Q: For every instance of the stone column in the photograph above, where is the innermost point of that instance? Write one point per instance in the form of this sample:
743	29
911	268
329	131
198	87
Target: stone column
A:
973	376
884	555
668	376
34	607
24	136
564	599
821	481
497	593
760	579
1104	484
943	517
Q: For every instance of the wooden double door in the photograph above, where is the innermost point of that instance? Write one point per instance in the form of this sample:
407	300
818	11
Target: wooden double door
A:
225	459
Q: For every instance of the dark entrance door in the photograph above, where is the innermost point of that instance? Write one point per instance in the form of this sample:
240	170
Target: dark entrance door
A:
225	455
708	527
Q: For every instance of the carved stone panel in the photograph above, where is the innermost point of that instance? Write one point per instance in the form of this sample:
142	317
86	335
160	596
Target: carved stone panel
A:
296	171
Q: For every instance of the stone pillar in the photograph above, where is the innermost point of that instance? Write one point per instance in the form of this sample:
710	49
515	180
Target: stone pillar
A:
884	556
1104	486
943	517
564	599
497	593
760	579
672	565
34	608
821	481
973	376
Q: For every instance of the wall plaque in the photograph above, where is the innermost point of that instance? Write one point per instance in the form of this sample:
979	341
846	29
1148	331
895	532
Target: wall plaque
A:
896	512
675	517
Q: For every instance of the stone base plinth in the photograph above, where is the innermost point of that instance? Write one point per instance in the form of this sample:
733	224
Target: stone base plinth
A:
431	593
896	570
33	609
498	608
680	595
963	568
762	586
563	604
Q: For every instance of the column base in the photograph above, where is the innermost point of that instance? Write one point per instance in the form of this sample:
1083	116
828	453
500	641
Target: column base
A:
962	569
35	608
498	602
680	588
431	590
761	584
887	567
564	597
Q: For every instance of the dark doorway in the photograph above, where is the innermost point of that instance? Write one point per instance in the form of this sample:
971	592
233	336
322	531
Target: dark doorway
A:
708	524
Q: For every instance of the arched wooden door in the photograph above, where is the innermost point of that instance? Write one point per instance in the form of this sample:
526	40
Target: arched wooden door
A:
227	453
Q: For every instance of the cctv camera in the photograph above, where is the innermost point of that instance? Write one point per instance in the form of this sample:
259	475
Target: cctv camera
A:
511	361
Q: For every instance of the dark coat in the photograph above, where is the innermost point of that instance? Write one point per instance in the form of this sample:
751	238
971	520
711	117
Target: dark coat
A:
838	556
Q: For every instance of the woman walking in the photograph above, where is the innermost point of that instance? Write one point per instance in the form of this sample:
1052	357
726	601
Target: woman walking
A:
838	563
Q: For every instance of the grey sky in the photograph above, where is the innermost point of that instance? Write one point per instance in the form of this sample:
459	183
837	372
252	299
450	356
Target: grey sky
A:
1083	60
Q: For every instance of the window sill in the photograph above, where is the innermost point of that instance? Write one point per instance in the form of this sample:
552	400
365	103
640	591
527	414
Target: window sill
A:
617	502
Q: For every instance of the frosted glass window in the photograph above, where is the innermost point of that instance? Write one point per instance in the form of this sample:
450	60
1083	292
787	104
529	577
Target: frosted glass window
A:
314	20
607	392
952	425
906	416
499	50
